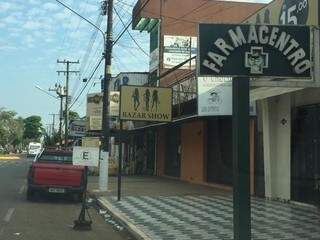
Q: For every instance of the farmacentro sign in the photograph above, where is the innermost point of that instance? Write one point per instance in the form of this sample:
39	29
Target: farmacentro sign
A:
254	50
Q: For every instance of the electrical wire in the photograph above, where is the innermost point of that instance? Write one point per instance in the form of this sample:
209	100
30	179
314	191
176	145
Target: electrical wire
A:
88	81
137	44
129	24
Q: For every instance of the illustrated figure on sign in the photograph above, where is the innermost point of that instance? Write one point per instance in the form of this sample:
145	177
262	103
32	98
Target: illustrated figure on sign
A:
136	99
214	97
155	100
146	96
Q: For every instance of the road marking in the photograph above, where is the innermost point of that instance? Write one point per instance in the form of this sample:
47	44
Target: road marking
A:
8	216
21	190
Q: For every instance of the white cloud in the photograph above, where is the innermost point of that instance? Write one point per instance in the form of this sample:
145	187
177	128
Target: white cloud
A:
35	2
50	7
8	6
32	25
11	19
89	7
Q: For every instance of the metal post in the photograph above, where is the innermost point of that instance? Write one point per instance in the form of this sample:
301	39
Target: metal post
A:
66	116
241	163
61	118
104	165
120	162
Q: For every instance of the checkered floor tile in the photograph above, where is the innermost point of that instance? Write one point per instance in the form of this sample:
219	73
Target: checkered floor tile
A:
209	218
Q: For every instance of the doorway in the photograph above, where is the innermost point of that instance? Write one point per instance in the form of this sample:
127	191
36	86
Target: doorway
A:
305	161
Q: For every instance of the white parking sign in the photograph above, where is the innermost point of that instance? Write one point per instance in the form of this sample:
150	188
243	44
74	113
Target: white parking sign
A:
85	156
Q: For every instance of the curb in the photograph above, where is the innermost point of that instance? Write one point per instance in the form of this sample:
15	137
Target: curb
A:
9	158
133	229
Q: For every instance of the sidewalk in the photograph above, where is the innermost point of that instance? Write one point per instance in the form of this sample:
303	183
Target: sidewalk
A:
157	208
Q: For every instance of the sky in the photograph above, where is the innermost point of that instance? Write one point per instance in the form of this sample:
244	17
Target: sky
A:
35	33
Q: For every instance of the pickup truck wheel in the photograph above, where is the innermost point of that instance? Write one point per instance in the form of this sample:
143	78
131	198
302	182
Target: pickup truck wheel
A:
30	194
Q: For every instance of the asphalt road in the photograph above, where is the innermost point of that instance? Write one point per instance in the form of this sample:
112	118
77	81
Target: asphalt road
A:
48	218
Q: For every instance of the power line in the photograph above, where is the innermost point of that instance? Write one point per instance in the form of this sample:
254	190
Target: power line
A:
128	25
88	81
130	34
85	58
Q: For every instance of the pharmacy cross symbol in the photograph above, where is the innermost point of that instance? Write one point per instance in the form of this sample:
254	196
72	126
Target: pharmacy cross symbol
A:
257	60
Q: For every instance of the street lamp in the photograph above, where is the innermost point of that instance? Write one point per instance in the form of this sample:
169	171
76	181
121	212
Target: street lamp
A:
46	92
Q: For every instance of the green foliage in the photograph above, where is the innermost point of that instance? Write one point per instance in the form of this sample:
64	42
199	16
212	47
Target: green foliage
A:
51	140
11	129
72	115
32	128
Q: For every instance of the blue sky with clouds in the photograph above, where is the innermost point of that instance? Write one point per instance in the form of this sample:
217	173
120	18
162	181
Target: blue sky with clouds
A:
35	33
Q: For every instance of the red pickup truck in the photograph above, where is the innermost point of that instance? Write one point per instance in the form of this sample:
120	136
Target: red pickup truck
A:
53	172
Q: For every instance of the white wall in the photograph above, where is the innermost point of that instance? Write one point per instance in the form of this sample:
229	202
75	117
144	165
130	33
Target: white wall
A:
277	144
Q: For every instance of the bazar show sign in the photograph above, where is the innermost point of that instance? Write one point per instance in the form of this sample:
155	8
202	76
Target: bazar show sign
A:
146	103
254	50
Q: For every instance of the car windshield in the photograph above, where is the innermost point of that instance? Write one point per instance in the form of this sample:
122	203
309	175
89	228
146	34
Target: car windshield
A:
34	147
55	158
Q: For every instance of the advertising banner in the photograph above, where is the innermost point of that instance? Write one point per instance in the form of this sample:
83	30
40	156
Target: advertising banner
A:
94	123
114	97
94	104
90	142
254	50
284	12
146	103
77	128
178	49
215	97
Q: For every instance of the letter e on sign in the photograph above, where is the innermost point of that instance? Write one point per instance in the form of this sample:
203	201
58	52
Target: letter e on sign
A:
85	156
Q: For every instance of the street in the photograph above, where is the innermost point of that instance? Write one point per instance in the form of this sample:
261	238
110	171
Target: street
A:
48	218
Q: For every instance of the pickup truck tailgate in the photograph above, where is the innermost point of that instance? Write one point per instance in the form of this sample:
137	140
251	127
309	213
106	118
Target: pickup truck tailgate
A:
57	174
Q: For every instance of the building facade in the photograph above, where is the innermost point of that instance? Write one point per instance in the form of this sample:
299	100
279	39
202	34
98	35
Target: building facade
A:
192	148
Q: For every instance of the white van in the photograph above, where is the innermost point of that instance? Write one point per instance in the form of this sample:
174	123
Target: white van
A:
34	148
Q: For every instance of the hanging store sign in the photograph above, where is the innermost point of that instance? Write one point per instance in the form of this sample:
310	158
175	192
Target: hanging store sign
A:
146	104
254	50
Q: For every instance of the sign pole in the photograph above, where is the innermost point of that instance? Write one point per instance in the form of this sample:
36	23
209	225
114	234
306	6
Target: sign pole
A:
81	223
120	162
241	163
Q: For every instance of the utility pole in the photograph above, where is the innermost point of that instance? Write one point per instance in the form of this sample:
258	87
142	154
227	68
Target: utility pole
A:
60	91
53	122
107	9
66	117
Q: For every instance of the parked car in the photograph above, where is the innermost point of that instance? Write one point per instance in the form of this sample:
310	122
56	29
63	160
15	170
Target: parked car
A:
53	172
34	148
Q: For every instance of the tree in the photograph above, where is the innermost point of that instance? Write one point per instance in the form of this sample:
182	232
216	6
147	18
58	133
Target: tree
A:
11	129
51	140
32	128
72	115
